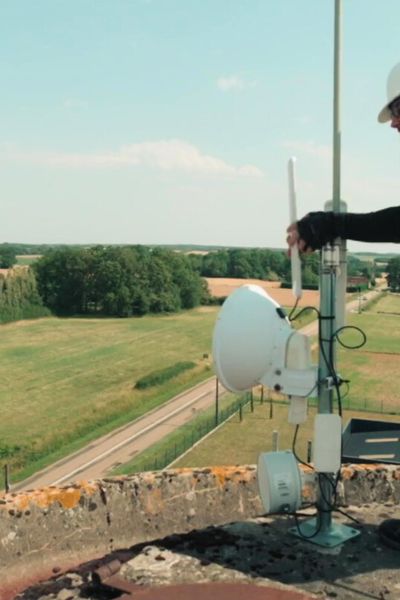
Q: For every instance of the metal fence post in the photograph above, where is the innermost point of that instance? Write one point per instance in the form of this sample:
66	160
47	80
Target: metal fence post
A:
7	477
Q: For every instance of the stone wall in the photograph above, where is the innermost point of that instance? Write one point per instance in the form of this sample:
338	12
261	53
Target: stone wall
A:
43	531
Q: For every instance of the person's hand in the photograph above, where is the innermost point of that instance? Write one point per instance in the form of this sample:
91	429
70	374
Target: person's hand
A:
293	238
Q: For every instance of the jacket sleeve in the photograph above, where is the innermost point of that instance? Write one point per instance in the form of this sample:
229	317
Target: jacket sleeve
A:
319	228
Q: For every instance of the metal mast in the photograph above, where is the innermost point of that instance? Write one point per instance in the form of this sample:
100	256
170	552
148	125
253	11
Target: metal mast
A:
322	530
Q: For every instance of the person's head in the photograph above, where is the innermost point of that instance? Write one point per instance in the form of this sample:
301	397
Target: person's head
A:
391	110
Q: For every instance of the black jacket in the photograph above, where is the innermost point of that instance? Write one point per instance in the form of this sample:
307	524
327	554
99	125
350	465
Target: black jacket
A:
319	228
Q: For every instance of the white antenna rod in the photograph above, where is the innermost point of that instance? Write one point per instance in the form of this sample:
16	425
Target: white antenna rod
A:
294	251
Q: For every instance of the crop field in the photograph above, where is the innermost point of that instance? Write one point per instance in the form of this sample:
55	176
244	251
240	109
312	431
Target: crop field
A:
220	286
66	381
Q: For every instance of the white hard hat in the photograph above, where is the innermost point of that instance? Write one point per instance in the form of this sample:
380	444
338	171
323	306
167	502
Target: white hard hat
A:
393	91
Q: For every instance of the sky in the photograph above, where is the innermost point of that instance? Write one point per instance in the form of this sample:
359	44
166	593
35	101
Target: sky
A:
172	121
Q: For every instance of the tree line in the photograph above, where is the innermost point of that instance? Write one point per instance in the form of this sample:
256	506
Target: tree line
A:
272	265
118	281
255	263
136	280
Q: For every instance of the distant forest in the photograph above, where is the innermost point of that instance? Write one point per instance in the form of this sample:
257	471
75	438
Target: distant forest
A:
136	280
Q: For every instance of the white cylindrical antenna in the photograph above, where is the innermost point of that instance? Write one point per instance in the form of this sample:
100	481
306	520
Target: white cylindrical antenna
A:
294	251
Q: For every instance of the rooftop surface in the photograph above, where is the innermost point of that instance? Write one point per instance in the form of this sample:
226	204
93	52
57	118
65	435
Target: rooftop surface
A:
202	526
258	551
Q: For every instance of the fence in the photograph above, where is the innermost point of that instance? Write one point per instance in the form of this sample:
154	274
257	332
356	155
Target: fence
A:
190	434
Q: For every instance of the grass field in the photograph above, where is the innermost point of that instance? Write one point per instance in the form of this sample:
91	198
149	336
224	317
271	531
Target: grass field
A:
374	373
66	381
374	369
240	442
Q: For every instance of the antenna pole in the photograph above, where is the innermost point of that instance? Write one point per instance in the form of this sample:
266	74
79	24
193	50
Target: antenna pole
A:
322	530
329	265
337	134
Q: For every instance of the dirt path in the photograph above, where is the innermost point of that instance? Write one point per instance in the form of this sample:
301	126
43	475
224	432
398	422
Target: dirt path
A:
98	458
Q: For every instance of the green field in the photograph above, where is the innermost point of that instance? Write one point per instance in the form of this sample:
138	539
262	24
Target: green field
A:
374	369
374	373
66	381
240	442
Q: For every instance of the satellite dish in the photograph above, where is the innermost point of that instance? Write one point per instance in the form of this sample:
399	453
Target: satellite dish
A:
250	332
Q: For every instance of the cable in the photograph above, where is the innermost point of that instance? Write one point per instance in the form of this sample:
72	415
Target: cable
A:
303	535
294	449
336	381
360	345
290	317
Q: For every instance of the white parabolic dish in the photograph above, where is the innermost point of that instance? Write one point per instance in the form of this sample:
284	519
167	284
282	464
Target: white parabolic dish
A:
251	327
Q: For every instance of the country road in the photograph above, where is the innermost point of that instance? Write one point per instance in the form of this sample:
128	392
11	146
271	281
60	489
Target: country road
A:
119	446
98	458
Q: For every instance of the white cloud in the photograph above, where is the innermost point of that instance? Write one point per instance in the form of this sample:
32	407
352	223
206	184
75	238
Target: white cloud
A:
165	155
233	82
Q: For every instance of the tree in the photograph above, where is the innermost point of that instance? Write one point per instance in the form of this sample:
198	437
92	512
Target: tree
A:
393	274
239	264
61	280
215	264
7	256
119	281
19	297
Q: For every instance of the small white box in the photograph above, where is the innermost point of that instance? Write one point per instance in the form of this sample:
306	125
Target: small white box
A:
327	443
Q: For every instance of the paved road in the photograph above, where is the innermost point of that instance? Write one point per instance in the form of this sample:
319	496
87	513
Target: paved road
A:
98	458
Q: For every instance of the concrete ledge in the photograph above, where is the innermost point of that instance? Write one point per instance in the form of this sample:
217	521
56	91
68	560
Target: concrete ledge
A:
46	530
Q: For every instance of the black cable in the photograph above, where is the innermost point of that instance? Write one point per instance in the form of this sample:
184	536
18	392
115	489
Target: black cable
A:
290	316
329	362
360	345
301	311
342	512
294	449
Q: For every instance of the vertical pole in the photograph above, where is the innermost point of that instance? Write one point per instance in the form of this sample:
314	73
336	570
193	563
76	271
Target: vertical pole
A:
7	478
216	402
275	441
337	133
328	288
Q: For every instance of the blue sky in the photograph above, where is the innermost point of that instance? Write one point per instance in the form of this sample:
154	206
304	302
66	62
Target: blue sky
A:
171	121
